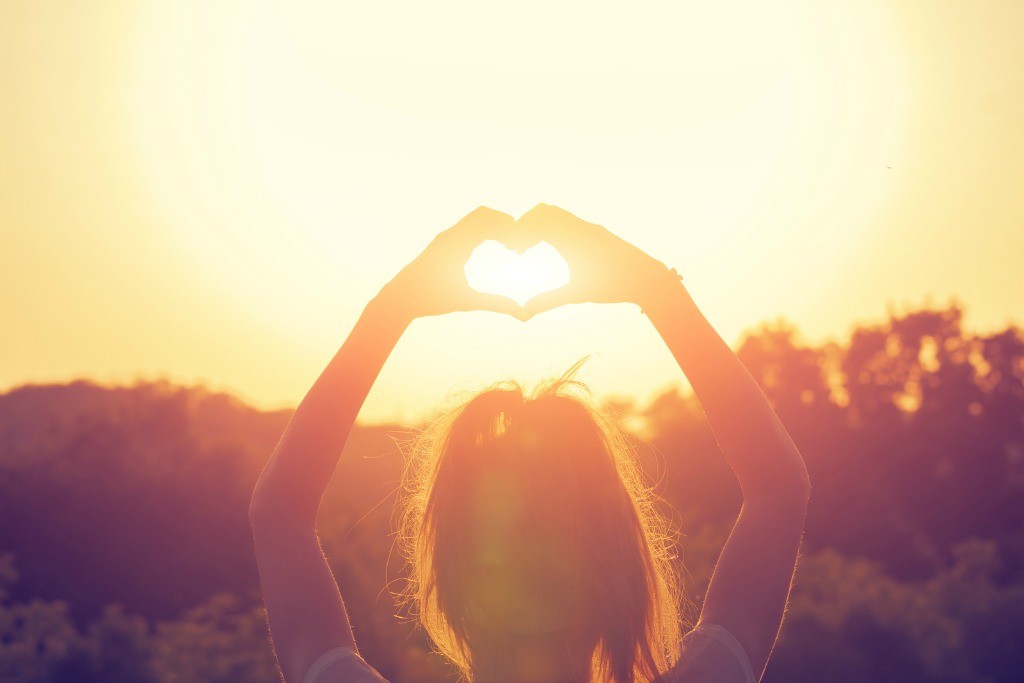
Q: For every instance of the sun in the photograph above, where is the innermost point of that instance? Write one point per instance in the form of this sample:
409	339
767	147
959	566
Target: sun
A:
494	269
300	155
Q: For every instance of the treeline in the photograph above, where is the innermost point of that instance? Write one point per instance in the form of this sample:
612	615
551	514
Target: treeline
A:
125	552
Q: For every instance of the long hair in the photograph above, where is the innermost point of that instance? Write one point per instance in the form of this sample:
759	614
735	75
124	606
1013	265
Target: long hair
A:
527	516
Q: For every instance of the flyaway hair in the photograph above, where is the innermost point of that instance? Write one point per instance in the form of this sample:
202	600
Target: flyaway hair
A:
526	516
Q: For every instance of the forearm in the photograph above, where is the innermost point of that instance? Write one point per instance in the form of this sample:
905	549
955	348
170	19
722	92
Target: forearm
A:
292	484
750	434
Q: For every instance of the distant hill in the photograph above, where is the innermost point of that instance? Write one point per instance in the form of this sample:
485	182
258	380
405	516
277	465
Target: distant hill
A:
139	495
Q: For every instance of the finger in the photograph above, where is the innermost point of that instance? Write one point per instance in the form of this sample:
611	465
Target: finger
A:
554	298
479	301
552	214
519	239
479	225
554	225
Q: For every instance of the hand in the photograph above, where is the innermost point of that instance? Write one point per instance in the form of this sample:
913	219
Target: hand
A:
435	283
603	268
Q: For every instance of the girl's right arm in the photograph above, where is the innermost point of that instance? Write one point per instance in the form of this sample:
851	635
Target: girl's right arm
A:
750	585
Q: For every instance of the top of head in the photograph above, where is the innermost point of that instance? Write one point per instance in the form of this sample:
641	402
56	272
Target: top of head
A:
528	494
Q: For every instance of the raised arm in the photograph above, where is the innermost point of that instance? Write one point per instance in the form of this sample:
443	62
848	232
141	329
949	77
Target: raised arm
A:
305	610
751	582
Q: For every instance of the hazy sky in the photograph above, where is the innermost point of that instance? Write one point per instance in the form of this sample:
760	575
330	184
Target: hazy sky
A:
211	191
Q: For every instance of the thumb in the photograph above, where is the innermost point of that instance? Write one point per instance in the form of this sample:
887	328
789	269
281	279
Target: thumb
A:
545	301
480	301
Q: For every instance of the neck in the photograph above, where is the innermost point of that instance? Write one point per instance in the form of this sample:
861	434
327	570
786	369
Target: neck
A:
544	658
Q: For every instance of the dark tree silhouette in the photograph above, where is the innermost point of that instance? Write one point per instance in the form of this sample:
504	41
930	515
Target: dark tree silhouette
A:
123	513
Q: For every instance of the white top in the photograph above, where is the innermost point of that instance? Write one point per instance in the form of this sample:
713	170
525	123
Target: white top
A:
711	655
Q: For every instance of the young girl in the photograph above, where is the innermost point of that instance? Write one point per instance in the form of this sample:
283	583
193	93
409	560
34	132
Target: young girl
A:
535	554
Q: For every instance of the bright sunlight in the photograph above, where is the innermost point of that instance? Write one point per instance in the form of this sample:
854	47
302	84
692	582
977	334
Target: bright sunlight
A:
257	171
496	270
720	156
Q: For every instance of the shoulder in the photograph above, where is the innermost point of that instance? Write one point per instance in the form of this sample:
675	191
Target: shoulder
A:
342	664
711	654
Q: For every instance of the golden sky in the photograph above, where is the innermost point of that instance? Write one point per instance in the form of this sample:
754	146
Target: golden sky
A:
211	191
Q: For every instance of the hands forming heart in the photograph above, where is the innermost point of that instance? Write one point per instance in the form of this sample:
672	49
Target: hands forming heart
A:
603	268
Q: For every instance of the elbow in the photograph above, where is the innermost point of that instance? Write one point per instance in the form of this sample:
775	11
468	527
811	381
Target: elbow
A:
800	497
257	510
794	481
787	486
805	480
264	512
274	514
801	481
798	485
265	521
794	492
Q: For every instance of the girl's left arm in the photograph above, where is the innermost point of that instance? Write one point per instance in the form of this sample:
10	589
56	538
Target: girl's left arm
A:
305	610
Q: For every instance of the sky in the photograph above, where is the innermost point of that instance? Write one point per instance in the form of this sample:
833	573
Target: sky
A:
211	192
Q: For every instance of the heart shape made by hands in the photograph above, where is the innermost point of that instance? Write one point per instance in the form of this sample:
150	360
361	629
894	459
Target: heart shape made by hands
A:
495	269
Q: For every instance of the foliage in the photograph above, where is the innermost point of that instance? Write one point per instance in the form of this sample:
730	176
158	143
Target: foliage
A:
128	558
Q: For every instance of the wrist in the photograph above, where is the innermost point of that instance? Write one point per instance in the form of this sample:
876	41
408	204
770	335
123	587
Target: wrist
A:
390	308
664	293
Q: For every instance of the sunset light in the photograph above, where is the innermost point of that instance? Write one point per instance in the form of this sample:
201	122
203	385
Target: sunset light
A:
497	270
258	171
668	340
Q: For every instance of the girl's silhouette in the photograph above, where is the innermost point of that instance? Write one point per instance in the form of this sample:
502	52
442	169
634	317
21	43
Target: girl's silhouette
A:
535	554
